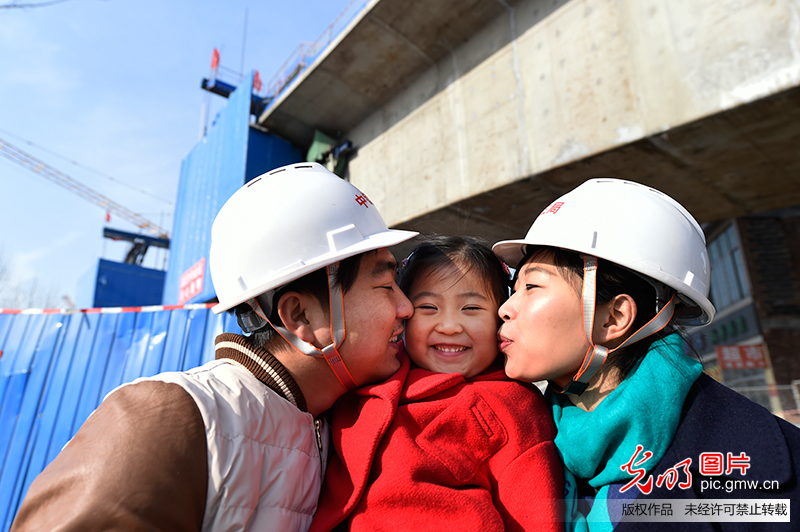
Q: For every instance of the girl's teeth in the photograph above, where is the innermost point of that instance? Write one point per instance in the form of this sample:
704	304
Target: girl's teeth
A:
450	349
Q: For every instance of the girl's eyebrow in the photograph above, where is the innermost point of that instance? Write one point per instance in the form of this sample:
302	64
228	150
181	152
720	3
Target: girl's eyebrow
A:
462	295
467	295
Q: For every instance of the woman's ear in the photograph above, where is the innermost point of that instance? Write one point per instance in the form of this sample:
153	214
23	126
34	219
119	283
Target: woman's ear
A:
614	320
302	315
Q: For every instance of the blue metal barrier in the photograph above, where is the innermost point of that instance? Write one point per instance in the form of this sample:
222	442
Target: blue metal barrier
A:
55	369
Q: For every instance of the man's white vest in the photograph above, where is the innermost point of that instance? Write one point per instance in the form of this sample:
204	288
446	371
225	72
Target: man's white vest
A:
264	465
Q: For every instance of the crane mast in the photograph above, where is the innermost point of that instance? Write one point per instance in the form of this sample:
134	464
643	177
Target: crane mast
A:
33	164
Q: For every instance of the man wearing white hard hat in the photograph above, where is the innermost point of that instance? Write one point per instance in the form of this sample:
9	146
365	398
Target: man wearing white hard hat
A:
300	256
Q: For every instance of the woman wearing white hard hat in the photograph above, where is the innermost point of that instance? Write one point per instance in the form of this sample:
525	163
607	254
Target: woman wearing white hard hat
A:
606	276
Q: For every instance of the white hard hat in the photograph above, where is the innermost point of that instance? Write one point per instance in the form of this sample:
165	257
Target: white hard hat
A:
286	223
632	225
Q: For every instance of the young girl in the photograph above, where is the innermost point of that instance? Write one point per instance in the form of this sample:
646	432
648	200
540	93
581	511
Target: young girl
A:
448	442
605	274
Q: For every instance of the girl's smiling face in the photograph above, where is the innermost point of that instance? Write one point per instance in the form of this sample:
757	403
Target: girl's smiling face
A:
454	326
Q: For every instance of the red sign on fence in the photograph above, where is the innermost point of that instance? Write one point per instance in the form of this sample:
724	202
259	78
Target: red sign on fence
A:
741	356
192	281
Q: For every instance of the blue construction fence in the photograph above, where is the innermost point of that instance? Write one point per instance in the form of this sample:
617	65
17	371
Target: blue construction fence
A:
56	368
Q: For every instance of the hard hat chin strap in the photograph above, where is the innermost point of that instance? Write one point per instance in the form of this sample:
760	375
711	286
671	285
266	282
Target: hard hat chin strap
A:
597	354
337	328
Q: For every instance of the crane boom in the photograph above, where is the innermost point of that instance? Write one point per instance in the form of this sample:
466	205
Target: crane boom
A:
33	164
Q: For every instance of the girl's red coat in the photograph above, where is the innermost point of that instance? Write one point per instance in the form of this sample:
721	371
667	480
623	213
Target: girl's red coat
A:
433	451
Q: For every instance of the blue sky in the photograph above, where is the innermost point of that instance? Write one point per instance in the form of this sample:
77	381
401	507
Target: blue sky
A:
115	86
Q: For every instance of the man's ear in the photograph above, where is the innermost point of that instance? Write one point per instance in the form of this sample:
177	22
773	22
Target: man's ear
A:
302	315
614	320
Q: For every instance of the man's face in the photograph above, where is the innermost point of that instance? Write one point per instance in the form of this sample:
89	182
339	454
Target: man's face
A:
374	310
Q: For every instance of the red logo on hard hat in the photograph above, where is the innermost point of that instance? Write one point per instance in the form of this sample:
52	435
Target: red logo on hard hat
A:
362	199
552	209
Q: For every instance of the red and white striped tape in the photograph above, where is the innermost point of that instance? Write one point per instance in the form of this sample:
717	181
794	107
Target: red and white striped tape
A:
106	310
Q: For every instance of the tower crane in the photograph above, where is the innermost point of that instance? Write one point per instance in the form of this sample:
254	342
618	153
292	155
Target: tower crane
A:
33	164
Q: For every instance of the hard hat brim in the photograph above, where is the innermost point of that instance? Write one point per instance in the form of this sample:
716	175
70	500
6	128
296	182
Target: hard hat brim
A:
513	251
510	251
384	239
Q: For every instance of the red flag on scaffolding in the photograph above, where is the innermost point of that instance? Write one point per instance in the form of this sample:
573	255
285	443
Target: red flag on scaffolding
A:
257	82
215	59
108	216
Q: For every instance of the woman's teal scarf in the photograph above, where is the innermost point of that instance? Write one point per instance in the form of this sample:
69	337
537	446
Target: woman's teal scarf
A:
643	410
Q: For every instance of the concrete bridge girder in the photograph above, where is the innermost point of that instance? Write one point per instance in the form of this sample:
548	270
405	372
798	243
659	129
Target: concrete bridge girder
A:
478	130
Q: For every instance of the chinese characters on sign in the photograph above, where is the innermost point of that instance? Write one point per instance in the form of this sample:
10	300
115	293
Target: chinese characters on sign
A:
191	282
741	356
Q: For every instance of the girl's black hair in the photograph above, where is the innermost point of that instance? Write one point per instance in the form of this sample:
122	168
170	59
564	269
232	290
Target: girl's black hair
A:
440	253
613	280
